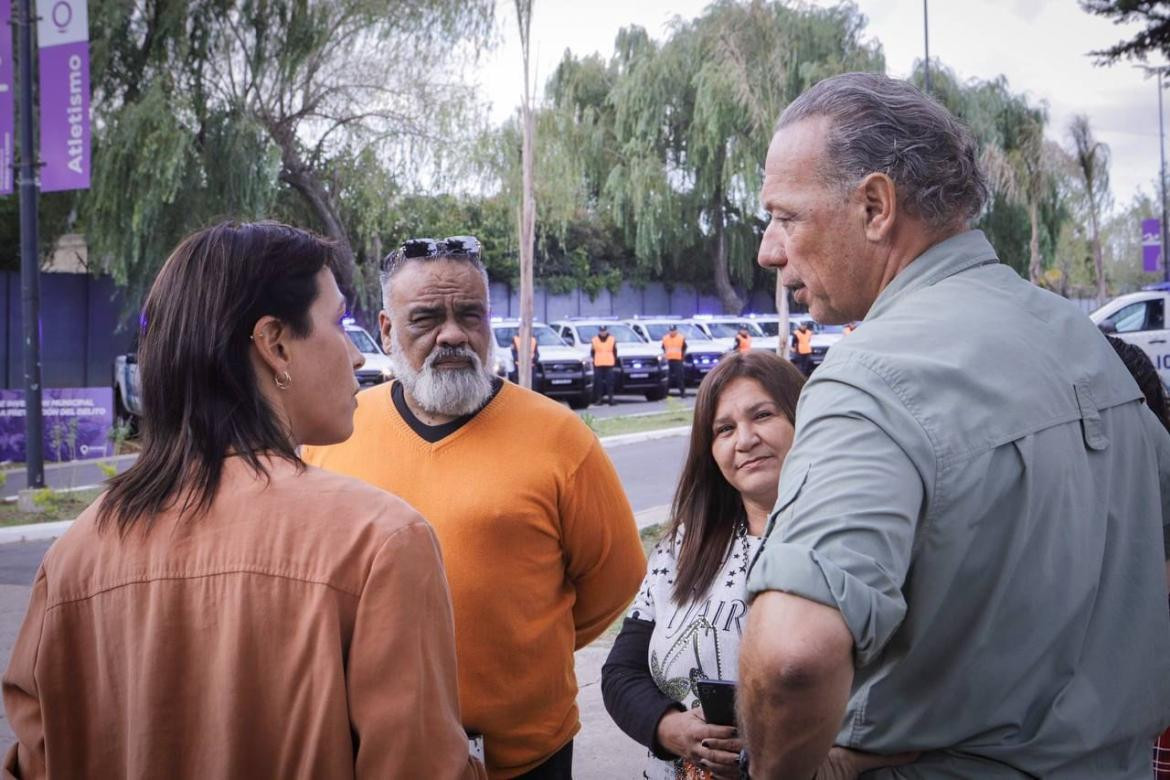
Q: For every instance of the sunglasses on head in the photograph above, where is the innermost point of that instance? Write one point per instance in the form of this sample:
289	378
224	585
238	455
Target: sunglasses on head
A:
467	246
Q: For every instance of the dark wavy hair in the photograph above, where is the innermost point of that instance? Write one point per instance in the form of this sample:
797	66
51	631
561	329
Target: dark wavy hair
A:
200	397
1146	376
705	503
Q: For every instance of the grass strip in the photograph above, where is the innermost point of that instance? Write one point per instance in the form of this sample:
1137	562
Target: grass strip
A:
52	505
613	426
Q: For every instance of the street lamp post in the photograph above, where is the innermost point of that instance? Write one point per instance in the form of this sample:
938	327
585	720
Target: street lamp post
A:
30	270
1162	177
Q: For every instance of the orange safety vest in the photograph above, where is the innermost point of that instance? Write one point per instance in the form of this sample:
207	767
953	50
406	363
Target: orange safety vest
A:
603	351
516	344
673	344
743	343
803	342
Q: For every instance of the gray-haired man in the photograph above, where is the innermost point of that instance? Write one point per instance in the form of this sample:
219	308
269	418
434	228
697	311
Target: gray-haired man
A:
967	554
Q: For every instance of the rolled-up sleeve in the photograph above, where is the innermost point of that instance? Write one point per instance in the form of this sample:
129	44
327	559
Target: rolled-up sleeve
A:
851	496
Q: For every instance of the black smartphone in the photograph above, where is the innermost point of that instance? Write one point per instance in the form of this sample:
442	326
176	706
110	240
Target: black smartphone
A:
718	700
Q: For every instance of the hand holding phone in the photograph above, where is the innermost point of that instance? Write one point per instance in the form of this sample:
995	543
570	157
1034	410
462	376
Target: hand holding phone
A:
717	698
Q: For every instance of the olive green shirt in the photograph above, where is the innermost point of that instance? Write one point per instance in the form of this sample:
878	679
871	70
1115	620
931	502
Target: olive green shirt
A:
976	485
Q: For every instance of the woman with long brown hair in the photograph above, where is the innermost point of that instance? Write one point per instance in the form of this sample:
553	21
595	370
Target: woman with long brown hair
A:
685	622
224	610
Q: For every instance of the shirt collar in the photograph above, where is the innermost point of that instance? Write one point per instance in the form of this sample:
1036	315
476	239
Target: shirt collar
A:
946	258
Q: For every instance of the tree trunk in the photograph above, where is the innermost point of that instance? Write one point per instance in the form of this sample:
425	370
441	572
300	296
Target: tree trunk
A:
730	300
527	233
1098	258
306	184
782	311
1035	264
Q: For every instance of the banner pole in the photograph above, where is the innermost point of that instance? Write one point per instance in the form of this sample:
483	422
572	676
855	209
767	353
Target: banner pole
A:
30	283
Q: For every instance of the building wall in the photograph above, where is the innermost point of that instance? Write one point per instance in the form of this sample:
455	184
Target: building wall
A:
648	300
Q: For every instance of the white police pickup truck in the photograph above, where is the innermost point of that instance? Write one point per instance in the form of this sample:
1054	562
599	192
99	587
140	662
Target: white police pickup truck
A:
128	392
1140	319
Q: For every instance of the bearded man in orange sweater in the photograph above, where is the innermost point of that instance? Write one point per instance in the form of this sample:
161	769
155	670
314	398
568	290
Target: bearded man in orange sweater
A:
537	535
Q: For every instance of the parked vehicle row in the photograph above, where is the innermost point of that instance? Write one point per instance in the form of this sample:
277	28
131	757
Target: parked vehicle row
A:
564	367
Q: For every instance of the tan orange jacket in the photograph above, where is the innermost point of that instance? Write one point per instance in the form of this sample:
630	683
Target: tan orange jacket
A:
300	629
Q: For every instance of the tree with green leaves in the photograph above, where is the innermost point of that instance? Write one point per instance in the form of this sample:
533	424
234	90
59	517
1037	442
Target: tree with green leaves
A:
220	107
1022	220
693	120
1153	38
1092	164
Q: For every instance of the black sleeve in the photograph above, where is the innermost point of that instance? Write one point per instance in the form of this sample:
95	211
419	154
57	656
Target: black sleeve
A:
630	694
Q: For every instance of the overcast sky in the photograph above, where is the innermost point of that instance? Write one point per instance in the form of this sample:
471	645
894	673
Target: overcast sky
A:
1039	45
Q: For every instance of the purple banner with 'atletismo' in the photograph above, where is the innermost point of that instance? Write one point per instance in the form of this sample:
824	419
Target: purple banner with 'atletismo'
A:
7	113
1151	245
63	39
79	423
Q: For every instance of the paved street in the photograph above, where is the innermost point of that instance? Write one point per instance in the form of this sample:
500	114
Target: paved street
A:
648	470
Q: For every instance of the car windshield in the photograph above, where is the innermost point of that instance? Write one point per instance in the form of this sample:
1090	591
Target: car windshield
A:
623	334
658	330
363	342
722	330
544	335
830	328
769	328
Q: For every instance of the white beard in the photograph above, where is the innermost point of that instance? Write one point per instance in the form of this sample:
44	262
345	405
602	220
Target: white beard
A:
450	392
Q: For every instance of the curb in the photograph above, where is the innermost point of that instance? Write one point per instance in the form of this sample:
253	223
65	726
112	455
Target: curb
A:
33	532
655	515
634	438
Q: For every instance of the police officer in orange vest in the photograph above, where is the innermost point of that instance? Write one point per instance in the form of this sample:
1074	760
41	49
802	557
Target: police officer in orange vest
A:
743	340
802	348
674	344
605	356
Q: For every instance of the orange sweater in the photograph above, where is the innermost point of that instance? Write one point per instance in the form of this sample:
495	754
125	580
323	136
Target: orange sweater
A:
540	547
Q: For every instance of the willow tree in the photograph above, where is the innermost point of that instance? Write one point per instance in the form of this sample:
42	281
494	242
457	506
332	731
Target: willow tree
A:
1025	215
694	117
217	107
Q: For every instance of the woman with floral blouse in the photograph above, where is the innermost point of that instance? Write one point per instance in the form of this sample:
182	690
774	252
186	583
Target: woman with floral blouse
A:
686	621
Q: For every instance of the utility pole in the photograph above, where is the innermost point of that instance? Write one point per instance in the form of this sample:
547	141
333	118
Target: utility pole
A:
926	40
30	270
1162	177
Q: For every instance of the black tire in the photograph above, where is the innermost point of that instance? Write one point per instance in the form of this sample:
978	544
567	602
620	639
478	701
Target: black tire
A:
657	394
581	401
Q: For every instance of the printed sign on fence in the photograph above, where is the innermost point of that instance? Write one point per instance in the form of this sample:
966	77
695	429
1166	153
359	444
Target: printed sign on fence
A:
1151	245
79	423
63	38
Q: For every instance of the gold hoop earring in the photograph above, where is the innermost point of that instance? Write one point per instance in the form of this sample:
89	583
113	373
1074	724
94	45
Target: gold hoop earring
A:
283	380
